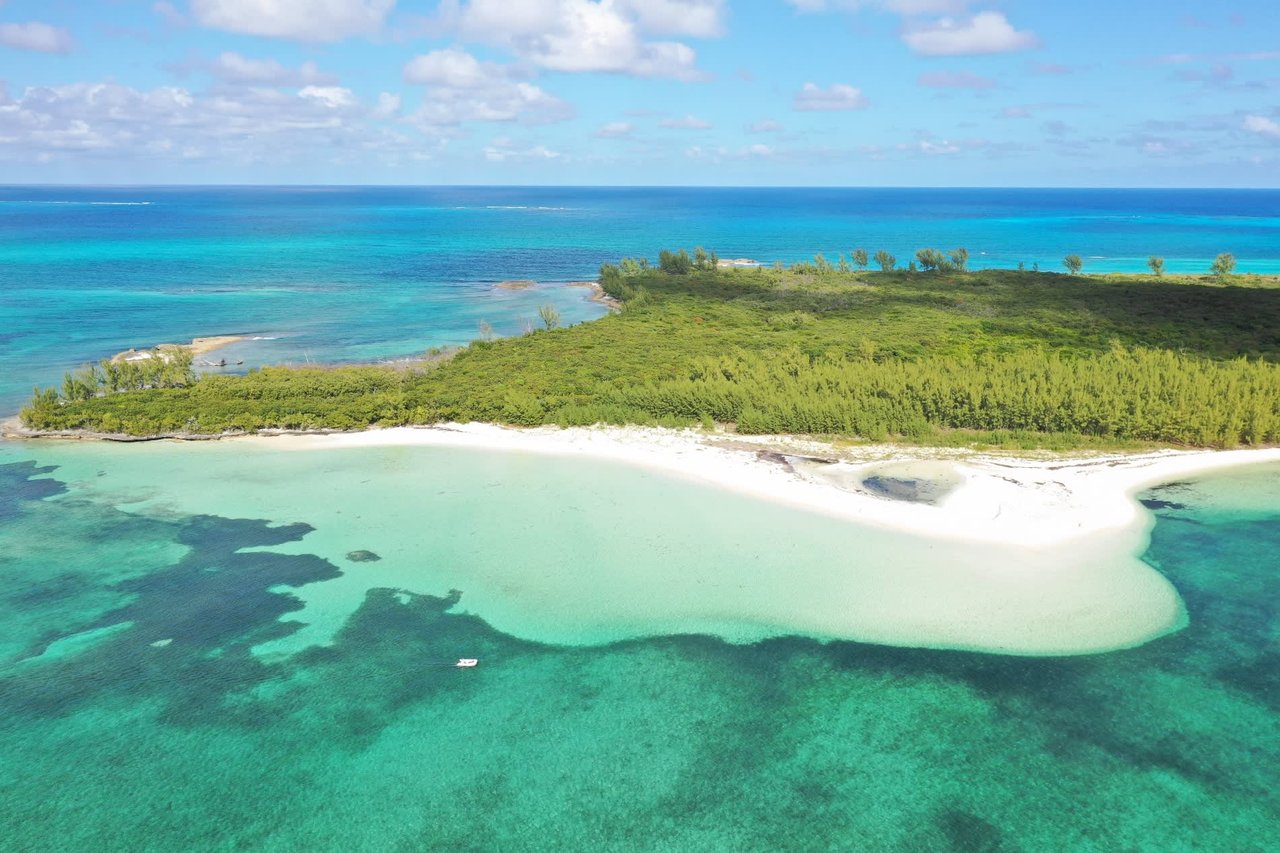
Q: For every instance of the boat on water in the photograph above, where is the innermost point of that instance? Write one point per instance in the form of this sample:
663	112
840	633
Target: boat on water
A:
467	662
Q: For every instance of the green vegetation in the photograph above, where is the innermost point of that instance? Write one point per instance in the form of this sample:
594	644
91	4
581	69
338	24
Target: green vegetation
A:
168	367
1073	263
951	357
1224	264
549	315
1157	265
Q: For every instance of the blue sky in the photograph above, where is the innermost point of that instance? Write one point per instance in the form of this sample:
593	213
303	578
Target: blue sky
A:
622	92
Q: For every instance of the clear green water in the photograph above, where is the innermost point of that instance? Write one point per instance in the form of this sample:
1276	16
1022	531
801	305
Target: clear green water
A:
677	742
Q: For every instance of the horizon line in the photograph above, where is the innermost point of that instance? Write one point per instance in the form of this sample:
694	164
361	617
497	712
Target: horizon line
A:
303	185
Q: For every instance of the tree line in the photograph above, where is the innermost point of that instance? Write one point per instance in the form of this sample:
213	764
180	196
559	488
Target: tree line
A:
681	262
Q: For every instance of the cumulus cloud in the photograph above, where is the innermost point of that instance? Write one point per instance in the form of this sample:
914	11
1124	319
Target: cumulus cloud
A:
461	88
168	122
232	67
834	98
303	20
985	32
689	122
1262	126
695	18
36	36
582	35
455	69
955	80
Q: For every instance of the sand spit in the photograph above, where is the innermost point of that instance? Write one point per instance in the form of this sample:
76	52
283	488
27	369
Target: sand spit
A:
1034	503
198	347
943	548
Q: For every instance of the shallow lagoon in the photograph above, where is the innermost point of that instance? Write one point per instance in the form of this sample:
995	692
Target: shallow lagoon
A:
579	551
677	742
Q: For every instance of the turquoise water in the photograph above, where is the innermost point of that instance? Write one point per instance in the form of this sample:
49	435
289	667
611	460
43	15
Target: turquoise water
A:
369	273
190	658
530	540
113	739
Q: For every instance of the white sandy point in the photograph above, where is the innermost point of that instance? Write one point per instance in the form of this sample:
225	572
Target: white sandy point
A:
1033	503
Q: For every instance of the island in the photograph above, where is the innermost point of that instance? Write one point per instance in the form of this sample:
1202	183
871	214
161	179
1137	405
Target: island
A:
1007	359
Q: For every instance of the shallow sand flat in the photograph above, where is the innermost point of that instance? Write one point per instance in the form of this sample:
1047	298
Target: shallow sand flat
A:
560	545
1036	503
198	347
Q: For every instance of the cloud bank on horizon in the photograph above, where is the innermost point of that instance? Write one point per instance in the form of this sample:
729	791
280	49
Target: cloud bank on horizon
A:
783	92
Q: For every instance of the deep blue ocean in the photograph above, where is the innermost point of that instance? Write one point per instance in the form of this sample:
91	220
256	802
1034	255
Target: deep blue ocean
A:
369	273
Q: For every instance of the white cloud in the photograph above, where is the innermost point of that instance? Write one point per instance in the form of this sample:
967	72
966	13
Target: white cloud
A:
461	88
388	106
584	36
764	125
695	18
986	32
901	7
234	68
503	149
615	130
689	122
170	123
936	148
719	153
1262	125
955	80
36	36
837	97
304	20
455	69
333	97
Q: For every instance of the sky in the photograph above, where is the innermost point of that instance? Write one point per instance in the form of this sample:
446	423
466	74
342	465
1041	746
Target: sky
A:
1107	93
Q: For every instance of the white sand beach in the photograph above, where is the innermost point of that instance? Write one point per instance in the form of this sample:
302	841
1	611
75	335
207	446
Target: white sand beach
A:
999	499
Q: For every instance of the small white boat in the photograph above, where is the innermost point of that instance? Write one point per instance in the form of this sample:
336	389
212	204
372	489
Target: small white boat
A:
467	662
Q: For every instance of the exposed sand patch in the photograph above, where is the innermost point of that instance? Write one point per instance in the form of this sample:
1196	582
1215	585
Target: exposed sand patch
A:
198	347
998	499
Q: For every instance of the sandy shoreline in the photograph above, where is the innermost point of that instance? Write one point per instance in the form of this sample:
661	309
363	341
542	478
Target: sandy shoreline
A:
1034	503
198	347
995	553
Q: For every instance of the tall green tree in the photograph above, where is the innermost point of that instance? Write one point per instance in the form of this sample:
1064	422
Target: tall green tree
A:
859	258
931	260
960	257
1073	263
886	261
1157	266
